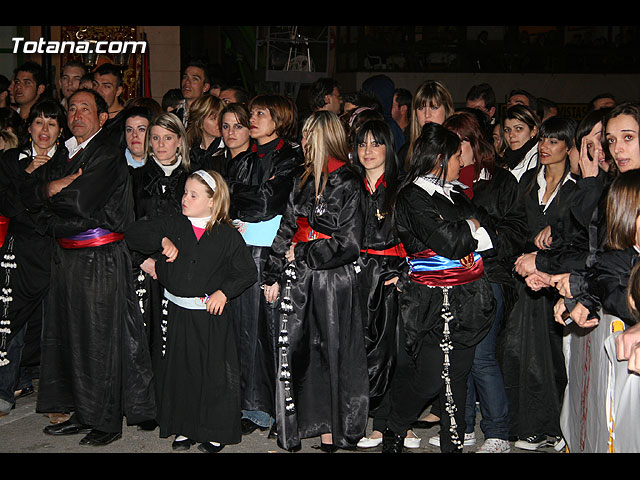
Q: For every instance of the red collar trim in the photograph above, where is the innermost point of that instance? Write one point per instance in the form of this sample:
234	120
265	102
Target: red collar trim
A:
254	147
381	180
334	164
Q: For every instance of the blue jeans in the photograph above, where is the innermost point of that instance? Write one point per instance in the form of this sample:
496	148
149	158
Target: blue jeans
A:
486	385
262	419
12	376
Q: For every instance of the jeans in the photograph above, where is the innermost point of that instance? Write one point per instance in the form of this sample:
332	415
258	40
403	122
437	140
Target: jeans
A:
12	376
262	419
486	384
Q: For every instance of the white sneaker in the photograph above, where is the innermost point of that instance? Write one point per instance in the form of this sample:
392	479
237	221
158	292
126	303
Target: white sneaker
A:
368	442
469	439
559	444
412	441
494	445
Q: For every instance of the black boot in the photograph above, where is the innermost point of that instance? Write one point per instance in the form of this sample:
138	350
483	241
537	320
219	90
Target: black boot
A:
392	442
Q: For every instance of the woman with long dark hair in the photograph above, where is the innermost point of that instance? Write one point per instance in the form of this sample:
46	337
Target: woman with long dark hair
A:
381	262
322	385
446	302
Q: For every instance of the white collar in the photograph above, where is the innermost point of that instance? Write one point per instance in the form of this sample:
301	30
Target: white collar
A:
542	183
74	147
167	169
431	184
50	153
199	222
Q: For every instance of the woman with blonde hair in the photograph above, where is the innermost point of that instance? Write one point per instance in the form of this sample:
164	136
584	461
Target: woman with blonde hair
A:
432	102
203	131
198	379
158	186
322	384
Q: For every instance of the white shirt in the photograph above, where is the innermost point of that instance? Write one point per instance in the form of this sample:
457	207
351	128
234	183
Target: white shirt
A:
74	147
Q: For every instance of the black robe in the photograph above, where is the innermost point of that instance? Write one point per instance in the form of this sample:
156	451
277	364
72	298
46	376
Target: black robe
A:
379	302
198	375
530	345
259	184
95	361
441	227
154	194
326	355
29	281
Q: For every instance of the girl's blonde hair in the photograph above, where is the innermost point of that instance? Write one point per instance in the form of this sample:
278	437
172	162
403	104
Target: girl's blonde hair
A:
221	198
324	137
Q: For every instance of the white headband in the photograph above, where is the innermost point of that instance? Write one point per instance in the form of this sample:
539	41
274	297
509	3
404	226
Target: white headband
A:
208	179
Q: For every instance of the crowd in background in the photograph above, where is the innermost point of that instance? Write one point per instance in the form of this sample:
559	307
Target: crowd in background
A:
359	268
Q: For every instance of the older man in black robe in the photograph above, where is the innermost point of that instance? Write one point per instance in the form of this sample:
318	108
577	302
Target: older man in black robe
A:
95	360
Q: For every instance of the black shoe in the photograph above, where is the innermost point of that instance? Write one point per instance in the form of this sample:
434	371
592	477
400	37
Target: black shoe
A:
97	438
273	433
181	445
424	424
248	426
66	428
148	425
294	449
208	447
392	442
25	392
327	447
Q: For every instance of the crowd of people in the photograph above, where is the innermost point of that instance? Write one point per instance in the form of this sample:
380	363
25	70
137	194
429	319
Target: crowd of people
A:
225	262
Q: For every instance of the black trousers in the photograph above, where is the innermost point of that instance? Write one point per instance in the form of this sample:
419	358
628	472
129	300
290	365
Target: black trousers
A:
424	382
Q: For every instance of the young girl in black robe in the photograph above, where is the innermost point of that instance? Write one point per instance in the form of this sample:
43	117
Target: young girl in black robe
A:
205	264
322	385
446	302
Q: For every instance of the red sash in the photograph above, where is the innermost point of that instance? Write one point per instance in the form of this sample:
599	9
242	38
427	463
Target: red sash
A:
4	226
395	251
91	238
305	233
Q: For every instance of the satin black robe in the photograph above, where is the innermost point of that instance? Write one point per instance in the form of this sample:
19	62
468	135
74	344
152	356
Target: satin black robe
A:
442	227
379	302
530	345
95	360
154	194
259	187
198	377
326	356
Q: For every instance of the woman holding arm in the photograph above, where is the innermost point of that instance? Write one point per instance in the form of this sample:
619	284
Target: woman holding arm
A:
446	302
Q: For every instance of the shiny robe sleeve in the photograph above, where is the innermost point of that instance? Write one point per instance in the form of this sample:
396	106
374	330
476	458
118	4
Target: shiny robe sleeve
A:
342	221
256	203
606	284
501	198
433	222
